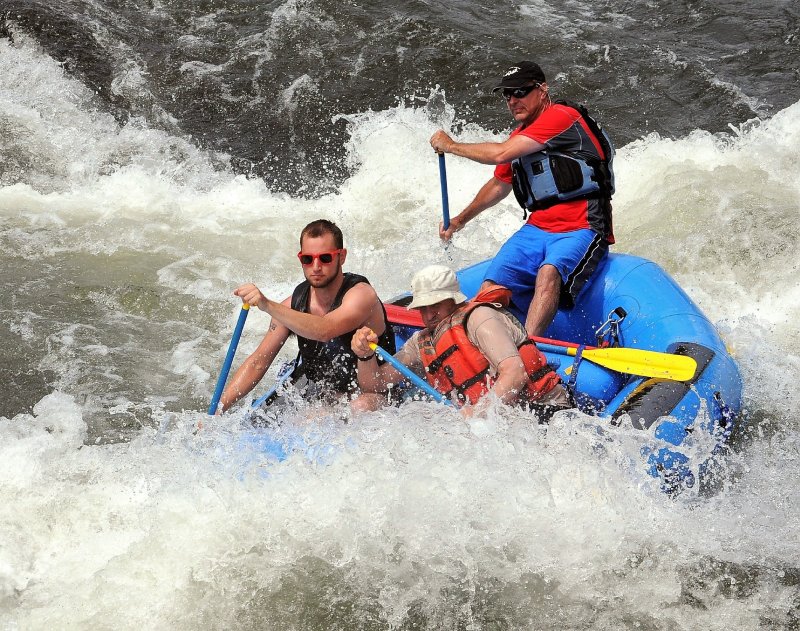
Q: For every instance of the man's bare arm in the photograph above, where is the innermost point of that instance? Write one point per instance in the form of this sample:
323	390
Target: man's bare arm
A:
256	365
486	152
359	305
490	194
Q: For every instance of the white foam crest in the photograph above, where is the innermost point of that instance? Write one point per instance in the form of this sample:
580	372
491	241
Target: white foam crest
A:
397	508
53	126
284	21
392	200
713	209
545	16
110	187
300	87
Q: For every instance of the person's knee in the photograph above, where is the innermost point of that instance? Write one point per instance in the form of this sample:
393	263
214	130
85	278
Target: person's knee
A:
548	280
549	272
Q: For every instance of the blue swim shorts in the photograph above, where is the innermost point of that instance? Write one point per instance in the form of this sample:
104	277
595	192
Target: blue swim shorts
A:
574	254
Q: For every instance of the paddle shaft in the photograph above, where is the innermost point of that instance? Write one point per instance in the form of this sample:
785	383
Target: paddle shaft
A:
547	340
226	365
563	350
409	374
445	198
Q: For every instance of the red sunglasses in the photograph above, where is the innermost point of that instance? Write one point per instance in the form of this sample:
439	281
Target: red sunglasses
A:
326	258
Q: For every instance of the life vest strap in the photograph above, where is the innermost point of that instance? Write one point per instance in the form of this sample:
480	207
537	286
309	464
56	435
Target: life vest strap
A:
436	364
538	374
481	376
573	376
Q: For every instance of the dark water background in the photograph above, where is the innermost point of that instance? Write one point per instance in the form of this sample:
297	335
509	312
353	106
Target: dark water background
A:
263	82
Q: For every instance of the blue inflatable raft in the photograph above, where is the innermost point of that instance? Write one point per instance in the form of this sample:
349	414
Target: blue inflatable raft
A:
632	303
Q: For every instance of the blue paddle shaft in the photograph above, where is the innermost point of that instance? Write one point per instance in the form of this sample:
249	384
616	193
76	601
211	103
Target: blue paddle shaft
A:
445	200
552	348
413	378
226	366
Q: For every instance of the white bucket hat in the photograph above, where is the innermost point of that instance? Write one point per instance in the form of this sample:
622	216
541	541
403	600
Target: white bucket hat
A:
434	284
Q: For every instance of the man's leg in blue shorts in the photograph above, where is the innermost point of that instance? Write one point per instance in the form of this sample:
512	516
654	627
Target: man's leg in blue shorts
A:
545	300
555	265
515	266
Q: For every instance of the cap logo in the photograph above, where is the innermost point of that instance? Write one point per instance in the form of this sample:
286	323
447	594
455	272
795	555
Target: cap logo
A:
511	70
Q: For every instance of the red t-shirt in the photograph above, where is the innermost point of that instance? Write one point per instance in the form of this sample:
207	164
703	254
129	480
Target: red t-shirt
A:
562	128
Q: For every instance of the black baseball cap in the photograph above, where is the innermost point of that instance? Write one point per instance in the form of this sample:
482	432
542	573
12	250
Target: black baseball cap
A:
520	75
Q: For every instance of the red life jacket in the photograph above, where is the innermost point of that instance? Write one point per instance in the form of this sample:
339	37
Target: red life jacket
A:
453	364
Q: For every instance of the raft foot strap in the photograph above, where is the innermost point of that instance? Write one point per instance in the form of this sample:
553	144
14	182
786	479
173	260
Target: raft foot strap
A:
573	375
481	376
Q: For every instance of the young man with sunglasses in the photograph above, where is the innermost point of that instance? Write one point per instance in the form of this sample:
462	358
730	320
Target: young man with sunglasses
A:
323	312
558	162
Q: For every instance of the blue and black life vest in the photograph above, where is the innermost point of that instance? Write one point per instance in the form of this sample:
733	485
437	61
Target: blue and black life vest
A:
332	364
545	178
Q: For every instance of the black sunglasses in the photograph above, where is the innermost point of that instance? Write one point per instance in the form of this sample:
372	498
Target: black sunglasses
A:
519	93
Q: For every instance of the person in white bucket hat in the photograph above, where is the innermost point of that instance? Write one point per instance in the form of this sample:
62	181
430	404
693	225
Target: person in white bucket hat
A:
435	283
466	349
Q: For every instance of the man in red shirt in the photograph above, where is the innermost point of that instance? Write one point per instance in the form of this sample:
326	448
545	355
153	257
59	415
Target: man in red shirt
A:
558	162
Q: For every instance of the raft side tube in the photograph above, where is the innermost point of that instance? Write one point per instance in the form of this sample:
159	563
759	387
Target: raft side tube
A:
673	410
594	388
658	311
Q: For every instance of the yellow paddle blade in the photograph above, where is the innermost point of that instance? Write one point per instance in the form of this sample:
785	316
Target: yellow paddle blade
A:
634	361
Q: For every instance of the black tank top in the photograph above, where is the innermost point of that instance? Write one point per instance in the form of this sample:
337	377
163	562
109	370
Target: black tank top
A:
332	365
